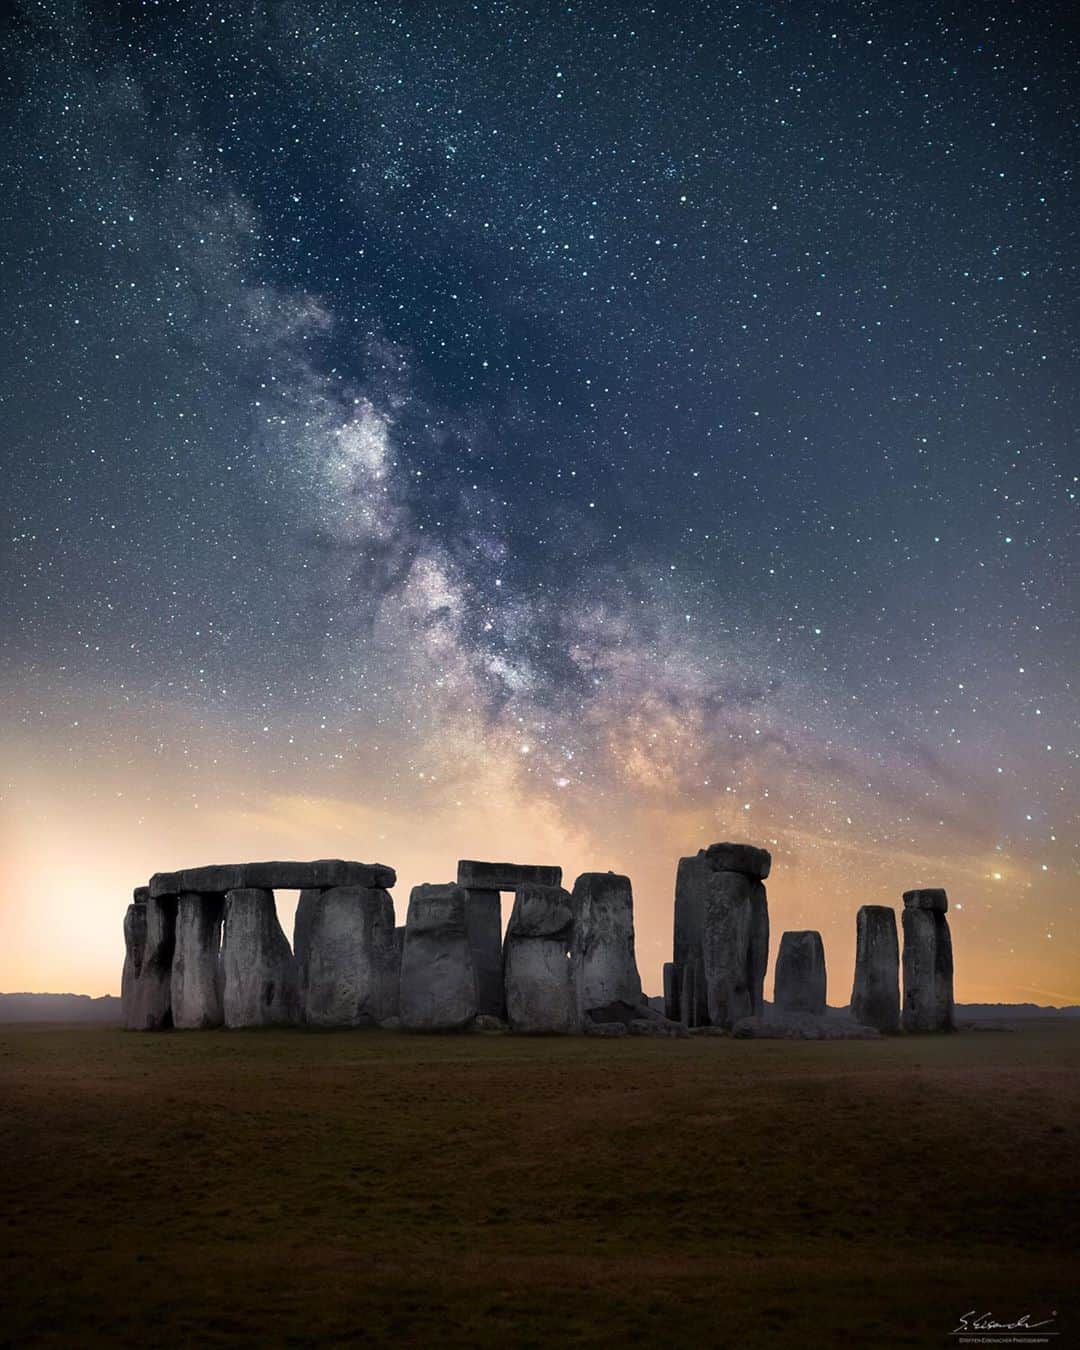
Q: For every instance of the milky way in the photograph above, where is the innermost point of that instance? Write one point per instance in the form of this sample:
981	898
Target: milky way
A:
578	431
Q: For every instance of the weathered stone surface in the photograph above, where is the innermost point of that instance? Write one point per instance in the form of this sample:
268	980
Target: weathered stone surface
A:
285	876
140	895
196	969
257	962
799	983
541	996
605	1029
605	964
438	979
691	884
745	858
933	899
618	1011
134	948
671	992
928	971
163	883
483	923
733	941
346	956
502	876
875	994
151	1001
789	1026
649	1026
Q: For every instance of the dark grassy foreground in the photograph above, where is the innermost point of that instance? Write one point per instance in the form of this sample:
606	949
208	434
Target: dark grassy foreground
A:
289	1188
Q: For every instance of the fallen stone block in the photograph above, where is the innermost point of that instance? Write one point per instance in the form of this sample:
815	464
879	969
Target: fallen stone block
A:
642	1026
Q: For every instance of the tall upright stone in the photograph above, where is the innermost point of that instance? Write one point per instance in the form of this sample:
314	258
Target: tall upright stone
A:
260	985
438	979
730	975
605	964
691	884
799	982
721	972
196	971
541	993
928	963
483	923
346	956
152	995
875	994
671	992
134	948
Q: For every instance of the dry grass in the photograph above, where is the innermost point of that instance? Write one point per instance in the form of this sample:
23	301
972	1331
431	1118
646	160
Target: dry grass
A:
270	1188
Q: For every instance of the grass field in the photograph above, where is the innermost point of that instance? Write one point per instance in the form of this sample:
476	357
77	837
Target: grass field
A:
264	1188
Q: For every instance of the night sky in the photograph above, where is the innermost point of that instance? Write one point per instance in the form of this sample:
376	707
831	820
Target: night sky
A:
573	433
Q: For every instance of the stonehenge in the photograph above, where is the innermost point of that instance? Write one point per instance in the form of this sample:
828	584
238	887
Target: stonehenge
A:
928	963
347	957
483	883
605	965
875	994
799	982
204	948
258	966
134	948
541	993
196	971
438	977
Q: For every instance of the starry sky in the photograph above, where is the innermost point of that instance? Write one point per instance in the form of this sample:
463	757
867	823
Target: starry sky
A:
570	433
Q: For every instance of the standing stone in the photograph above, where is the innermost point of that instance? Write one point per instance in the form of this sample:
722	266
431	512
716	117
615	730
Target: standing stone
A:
799	983
541	996
438	979
928	963
671	992
483	923
875	995
152	995
691	884
134	948
730	901
196	970
257	961
605	965
346	956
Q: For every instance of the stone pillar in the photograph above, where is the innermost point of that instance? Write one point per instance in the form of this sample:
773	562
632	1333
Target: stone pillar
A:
671	992
735	931
134	947
483	922
928	963
875	995
541	994
152	1000
605	964
196	971
690	885
438	980
346	956
799	982
257	961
